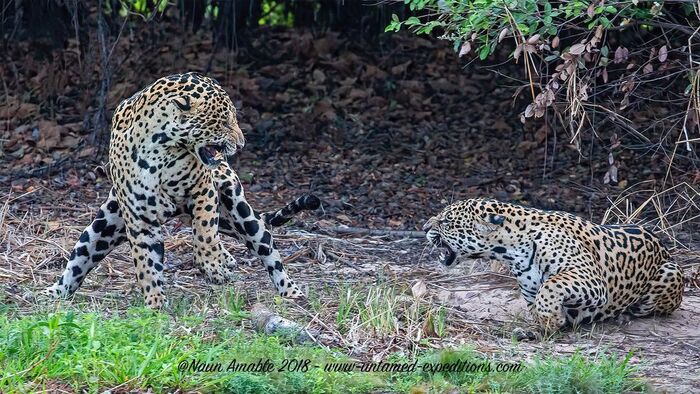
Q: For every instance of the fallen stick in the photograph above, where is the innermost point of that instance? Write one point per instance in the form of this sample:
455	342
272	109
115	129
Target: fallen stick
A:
375	232
269	323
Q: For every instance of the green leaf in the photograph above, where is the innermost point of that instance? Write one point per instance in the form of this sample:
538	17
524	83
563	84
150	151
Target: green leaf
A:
484	52
430	26
162	5
412	21
393	26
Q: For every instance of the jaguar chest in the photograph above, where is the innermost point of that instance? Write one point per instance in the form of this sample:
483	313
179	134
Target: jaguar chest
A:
183	177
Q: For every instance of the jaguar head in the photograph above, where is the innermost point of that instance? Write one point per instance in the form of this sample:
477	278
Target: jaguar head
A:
469	228
206	119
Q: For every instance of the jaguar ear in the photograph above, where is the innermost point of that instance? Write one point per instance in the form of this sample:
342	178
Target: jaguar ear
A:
496	219
183	103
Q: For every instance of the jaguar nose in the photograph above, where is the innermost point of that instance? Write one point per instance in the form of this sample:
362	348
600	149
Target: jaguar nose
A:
239	138
428	225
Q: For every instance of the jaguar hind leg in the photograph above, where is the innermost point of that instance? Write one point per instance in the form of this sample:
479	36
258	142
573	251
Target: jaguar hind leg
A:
664	295
98	239
238	219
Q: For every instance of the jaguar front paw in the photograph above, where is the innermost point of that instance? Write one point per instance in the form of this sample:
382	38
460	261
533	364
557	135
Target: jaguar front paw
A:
53	292
550	322
222	269
290	290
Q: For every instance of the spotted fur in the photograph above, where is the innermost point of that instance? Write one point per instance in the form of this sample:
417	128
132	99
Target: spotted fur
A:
569	270
167	159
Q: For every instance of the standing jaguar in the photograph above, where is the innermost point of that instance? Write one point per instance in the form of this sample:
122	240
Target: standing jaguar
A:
569	270
167	158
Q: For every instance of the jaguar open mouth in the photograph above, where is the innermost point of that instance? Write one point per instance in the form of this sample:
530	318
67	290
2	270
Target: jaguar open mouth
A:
447	257
211	154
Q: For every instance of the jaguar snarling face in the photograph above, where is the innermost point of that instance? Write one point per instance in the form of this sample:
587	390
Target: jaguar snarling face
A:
470	228
207	124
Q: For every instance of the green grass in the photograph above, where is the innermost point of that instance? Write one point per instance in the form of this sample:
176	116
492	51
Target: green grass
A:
574	374
141	349
347	301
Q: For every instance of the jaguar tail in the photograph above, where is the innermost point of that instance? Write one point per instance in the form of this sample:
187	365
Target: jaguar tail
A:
307	202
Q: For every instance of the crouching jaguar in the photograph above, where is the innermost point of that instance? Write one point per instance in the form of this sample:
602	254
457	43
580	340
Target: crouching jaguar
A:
167	159
569	270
